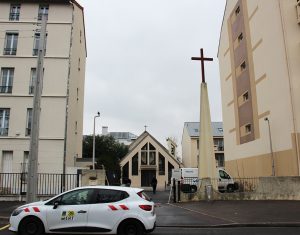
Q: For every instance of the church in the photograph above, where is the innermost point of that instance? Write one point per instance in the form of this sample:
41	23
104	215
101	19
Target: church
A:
148	158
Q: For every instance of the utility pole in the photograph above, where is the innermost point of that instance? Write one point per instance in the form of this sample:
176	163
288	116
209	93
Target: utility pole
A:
94	139
34	140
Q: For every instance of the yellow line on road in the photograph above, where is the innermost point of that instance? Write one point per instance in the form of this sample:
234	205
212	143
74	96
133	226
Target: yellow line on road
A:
5	227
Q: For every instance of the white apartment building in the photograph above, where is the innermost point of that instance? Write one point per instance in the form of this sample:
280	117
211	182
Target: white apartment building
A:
61	118
190	143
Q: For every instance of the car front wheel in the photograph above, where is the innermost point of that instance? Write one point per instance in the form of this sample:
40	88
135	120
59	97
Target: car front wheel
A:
31	226
131	227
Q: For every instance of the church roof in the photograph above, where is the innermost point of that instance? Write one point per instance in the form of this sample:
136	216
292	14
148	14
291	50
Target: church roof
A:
193	128
144	135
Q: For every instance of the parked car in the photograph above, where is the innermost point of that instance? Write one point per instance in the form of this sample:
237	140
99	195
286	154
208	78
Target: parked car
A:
91	209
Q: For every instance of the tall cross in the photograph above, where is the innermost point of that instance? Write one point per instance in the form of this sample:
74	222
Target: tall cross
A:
145	127
202	58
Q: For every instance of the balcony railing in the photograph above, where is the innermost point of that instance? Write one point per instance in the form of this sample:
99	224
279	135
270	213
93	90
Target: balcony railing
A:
10	51
5	89
3	131
40	15
14	16
35	51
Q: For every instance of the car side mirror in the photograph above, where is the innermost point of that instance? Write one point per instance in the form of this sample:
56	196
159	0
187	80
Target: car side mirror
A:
55	205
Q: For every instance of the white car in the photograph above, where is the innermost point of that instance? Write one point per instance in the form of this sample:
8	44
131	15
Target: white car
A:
91	209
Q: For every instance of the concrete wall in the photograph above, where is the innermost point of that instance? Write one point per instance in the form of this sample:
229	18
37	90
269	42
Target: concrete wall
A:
268	188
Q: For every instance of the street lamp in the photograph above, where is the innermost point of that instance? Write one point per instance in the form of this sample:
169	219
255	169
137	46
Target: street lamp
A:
271	148
98	115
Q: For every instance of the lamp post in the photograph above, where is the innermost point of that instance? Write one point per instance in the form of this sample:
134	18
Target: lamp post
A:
98	115
271	148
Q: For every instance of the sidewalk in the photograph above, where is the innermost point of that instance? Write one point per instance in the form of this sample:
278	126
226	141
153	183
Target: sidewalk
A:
210	214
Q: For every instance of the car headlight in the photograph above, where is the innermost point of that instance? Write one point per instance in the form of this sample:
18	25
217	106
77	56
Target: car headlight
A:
16	212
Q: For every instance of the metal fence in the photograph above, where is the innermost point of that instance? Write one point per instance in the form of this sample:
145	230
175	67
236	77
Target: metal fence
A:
47	184
224	185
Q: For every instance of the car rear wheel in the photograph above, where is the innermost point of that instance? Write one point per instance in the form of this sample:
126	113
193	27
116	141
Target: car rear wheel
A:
31	226
131	227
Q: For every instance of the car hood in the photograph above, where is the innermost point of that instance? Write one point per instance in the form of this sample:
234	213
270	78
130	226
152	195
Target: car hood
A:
32	204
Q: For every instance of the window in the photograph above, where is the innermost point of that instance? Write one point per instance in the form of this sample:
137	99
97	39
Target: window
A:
135	165
144	155
78	64
240	37
7	75
161	164
28	122
77	197
24	167
223	175
245	96
237	10
36	44
220	160
248	128
152	155
32	80
4	121
14	14
197	143
43	10
243	66
108	195
11	41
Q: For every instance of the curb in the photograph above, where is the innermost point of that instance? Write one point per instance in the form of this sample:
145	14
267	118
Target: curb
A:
234	225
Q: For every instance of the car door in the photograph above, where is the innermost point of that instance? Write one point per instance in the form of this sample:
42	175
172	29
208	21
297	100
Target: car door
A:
71	213
110	206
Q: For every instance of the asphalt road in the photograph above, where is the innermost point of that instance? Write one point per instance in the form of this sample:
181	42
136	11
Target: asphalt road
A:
212	231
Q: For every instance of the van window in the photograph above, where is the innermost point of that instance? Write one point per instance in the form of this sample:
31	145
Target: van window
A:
224	175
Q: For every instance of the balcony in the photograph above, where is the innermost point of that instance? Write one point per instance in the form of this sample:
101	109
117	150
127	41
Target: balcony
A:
5	89
10	51
3	131
14	16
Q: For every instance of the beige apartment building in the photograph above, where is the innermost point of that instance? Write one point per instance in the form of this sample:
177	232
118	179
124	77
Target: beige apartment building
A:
259	57
61	118
190	143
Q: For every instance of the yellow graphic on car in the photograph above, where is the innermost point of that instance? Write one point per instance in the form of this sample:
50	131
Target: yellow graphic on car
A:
67	215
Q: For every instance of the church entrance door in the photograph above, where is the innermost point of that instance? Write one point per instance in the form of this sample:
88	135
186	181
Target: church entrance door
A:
146	177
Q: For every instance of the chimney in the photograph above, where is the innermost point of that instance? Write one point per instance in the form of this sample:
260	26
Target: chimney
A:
104	130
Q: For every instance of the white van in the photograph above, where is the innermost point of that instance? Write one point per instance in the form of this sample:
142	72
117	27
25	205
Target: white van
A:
189	177
226	182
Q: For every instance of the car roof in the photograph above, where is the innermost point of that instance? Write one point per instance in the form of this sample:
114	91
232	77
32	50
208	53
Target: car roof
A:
127	189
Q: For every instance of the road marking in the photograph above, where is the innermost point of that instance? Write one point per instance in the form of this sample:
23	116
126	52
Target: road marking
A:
202	213
5	227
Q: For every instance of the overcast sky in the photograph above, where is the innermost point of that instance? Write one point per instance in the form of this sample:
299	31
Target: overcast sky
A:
139	70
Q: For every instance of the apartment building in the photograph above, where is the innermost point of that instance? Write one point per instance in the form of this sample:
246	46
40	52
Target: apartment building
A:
61	118
190	143
259	57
